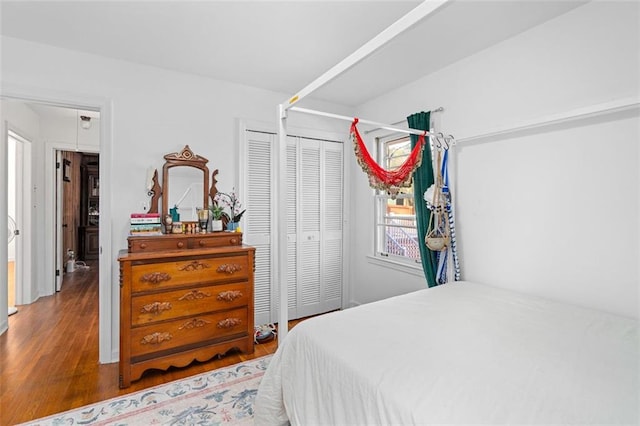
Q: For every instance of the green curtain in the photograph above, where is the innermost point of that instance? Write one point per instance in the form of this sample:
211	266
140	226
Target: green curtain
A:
422	180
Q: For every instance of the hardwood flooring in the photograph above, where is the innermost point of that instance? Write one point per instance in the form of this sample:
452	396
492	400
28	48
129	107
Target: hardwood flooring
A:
49	355
11	282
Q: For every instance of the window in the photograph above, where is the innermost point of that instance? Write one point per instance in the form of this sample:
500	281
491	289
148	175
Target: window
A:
396	236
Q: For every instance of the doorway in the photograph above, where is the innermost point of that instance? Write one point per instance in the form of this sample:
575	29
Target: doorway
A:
77	213
44	204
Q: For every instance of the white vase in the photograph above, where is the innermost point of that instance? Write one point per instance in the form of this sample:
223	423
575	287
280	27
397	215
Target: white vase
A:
216	225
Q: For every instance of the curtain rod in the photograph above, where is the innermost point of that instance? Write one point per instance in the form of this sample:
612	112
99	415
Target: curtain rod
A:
439	109
360	120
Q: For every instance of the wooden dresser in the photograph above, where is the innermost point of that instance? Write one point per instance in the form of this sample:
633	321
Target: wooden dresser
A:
183	298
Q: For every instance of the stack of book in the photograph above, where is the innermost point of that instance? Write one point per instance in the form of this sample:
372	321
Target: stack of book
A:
145	224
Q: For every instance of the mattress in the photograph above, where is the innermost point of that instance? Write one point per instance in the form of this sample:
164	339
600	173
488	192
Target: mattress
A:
459	353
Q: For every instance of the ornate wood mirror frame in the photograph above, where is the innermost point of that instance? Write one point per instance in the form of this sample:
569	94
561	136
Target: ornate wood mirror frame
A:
184	158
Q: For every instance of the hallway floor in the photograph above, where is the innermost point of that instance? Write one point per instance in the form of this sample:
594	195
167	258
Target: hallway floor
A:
12	282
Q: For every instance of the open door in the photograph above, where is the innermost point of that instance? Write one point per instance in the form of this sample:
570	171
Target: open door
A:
59	255
4	135
14	200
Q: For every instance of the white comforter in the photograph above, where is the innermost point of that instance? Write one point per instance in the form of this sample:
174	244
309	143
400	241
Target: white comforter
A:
460	353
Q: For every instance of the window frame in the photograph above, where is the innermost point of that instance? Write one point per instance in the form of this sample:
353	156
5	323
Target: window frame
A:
380	199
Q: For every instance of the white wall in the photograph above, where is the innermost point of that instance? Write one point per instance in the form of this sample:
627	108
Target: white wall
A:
153	112
552	212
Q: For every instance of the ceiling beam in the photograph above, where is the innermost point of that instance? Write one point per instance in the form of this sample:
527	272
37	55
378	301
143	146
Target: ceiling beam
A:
417	14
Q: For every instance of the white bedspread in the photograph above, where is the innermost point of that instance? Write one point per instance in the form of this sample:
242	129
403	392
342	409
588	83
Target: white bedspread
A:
460	353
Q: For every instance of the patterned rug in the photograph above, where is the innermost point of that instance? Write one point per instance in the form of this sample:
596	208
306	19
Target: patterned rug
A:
220	397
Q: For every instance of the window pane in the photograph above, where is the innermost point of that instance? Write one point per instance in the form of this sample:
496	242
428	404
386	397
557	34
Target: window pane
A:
396	153
399	231
397	236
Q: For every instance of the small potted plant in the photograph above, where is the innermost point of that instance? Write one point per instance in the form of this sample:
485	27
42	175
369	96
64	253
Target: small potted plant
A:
217	214
236	211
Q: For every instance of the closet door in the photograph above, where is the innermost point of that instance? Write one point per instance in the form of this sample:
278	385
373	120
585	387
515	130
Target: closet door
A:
314	210
332	225
320	207
309	244
258	220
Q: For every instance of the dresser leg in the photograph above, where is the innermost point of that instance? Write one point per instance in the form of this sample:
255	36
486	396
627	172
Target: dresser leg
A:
124	383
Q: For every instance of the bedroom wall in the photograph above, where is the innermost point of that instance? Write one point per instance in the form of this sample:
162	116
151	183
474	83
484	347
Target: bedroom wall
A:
552	212
154	112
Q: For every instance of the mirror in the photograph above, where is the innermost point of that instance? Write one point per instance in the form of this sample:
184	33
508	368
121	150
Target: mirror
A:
186	191
185	184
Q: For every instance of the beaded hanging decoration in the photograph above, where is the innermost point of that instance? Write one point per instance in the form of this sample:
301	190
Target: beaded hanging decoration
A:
379	178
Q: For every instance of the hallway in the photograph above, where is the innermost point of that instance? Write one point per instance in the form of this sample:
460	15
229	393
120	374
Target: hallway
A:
49	347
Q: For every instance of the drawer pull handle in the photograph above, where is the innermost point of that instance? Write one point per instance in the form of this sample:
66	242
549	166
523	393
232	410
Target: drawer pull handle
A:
155	277
233	241
202	243
230	295
229	268
196	322
229	322
195	294
155	308
155	338
180	244
143	246
196	265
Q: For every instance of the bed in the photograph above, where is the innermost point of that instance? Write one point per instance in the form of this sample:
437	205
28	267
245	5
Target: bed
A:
459	353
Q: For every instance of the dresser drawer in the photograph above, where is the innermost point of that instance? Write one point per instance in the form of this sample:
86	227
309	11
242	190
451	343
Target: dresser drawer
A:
149	276
141	244
155	307
186	331
227	239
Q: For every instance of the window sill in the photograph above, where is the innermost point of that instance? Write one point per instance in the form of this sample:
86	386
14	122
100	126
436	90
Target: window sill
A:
398	266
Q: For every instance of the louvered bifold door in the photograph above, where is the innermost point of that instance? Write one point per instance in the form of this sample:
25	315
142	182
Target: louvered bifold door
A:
332	201
257	220
314	191
309	291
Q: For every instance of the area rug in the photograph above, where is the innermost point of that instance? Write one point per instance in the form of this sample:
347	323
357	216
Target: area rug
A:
220	397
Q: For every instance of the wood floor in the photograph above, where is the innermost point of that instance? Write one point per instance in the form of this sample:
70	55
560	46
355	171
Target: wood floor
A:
11	283
49	355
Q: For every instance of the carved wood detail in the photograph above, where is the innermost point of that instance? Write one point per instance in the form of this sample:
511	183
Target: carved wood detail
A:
229	268
155	308
154	193
194	266
229	322
229	295
195	294
193	323
214	190
155	277
155	338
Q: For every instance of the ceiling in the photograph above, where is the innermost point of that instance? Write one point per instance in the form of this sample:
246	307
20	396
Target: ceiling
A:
277	45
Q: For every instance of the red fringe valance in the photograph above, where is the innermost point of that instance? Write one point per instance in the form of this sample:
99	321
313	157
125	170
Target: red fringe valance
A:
379	178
